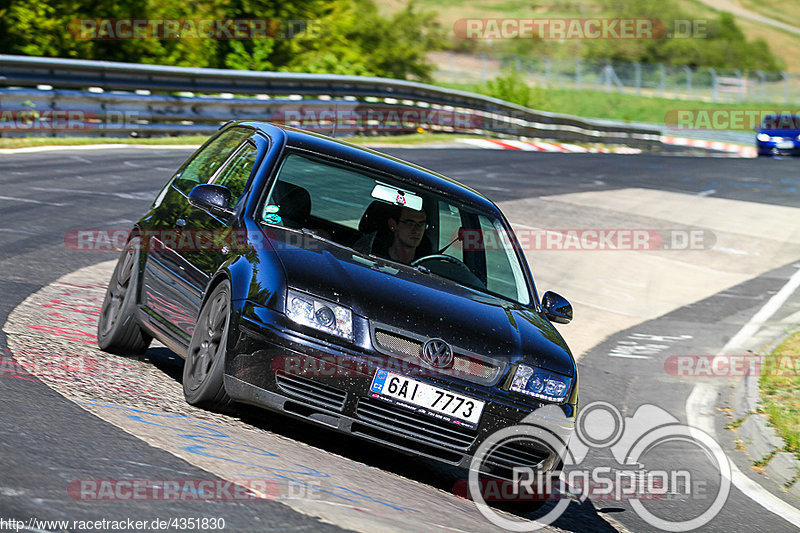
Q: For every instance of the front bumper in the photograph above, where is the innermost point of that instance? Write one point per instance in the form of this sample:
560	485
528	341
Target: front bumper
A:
273	365
771	148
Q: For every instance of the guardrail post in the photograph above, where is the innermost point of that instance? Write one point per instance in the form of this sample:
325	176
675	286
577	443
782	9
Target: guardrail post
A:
688	72
742	84
578	80
547	68
662	80
713	84
637	72
785	77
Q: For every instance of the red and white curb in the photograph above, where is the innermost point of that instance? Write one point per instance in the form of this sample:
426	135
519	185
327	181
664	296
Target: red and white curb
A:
531	146
743	151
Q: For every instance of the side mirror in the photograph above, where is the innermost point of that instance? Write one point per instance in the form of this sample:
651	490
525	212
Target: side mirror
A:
556	308
215	198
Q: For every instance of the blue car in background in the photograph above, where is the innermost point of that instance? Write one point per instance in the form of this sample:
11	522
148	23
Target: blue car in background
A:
779	135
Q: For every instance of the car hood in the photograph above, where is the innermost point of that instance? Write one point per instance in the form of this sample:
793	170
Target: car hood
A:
781	133
421	303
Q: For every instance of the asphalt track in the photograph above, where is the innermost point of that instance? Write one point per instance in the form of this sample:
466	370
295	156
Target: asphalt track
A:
48	441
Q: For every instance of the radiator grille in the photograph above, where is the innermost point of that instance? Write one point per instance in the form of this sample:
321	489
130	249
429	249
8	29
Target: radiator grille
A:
403	422
311	392
463	365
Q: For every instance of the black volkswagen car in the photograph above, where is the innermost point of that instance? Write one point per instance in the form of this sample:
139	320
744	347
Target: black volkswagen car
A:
348	289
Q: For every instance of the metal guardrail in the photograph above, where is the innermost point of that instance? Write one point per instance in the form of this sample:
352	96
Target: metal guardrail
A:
73	96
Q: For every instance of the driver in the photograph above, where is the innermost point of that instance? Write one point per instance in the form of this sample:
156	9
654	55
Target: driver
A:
408	227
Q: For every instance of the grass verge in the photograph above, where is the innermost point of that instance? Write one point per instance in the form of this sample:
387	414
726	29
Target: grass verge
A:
780	391
615	105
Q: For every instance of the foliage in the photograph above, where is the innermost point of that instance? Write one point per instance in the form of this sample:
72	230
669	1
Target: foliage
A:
717	43
336	36
611	105
512	87
780	391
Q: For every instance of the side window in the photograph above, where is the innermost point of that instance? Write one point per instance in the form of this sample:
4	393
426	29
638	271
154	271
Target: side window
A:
308	187
235	175
449	224
203	166
504	275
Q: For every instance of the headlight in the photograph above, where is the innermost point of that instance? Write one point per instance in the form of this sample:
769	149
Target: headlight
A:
763	137
540	383
319	314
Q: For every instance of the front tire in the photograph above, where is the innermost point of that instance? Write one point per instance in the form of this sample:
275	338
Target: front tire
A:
118	331
205	359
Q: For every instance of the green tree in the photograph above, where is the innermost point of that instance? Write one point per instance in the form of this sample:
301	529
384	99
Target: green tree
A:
342	36
512	87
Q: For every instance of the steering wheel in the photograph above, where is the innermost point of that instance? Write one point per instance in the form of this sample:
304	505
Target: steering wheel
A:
458	272
438	257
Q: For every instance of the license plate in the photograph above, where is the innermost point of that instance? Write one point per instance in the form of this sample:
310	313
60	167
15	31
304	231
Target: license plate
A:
427	399
785	145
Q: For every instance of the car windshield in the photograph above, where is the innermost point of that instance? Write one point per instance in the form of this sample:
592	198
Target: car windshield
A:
781	122
371	214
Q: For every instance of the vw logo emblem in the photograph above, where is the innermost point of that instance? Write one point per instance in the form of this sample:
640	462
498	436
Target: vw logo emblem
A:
437	353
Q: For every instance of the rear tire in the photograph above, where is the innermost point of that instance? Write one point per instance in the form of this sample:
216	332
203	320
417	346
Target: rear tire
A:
204	367
118	330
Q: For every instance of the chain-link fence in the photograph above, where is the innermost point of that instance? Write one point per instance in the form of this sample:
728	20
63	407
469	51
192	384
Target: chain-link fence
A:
666	81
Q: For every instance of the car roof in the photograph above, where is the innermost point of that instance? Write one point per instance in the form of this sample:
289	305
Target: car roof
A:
314	142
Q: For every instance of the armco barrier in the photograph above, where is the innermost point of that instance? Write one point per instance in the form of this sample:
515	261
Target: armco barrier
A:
109	98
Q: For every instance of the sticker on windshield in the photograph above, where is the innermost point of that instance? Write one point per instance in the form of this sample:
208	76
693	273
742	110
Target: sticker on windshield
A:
271	208
396	196
272	218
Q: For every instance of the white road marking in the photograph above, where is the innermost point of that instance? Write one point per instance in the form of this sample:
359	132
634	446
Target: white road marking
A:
29	201
733	251
482	143
12	230
143	195
34	149
700	413
81	159
769	309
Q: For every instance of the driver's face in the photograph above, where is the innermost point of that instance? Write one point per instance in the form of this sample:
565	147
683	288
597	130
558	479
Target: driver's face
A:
410	227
